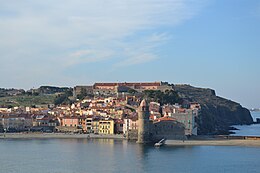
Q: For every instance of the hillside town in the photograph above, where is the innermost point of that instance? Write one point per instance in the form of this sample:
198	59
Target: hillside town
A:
105	109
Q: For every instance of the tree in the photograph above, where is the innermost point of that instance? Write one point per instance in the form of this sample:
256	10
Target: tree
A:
35	94
60	99
167	97
29	93
82	94
63	98
132	91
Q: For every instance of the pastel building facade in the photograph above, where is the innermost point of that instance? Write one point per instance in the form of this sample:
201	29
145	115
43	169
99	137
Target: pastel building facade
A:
72	121
106	127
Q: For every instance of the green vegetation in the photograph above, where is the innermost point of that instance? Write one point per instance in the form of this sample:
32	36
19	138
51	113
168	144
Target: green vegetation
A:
44	95
25	100
29	93
63	98
83	94
10	92
167	97
53	90
132	91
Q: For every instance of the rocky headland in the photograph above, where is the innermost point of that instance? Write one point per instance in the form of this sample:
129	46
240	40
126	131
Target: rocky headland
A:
217	113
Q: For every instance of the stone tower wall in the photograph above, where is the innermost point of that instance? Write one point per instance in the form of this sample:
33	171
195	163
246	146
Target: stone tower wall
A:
143	124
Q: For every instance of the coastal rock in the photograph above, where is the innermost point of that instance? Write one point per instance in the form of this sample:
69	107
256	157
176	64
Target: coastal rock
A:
217	113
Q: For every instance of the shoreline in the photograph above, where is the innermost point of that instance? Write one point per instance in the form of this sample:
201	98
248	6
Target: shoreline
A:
57	136
190	142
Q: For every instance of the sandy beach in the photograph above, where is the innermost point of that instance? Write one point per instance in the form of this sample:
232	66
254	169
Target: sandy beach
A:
215	142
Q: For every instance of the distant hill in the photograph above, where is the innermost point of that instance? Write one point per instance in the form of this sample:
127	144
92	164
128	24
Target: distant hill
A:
217	113
25	100
10	92
44	95
52	90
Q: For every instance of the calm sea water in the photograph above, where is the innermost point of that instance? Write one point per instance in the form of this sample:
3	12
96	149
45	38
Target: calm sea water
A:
115	156
249	130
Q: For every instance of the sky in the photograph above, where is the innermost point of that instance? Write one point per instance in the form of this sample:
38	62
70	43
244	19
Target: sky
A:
205	43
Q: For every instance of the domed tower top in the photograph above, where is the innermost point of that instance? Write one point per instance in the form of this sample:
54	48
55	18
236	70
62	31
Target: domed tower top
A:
144	106
144	103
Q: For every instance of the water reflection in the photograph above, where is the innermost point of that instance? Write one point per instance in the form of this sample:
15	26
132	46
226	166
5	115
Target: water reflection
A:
142	156
117	156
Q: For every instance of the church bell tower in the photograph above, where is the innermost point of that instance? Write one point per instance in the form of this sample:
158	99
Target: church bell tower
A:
143	122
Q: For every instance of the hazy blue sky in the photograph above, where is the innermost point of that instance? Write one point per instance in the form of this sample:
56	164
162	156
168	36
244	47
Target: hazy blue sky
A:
206	43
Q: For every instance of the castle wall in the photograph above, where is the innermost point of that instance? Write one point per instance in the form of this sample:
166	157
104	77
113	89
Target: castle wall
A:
167	130
132	134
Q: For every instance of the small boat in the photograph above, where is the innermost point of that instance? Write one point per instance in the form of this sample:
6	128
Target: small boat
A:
160	143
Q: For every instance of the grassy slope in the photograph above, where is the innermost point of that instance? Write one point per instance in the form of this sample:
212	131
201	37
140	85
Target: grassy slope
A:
27	100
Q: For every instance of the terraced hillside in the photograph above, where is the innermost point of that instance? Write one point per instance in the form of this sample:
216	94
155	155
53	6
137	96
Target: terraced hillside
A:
24	100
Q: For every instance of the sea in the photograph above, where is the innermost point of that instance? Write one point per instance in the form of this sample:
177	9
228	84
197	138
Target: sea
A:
120	156
248	130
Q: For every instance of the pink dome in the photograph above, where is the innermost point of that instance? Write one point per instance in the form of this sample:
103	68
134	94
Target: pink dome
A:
144	103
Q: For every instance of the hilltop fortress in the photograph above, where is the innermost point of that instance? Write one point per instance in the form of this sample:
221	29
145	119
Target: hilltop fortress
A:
116	88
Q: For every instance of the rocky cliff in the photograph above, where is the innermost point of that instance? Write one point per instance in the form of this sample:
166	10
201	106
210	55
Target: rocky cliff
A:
217	113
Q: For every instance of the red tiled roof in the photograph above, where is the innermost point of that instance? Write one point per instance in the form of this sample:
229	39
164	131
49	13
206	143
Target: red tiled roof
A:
165	118
129	84
118	121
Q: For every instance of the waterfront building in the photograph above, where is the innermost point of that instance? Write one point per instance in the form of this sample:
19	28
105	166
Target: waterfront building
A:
167	128
188	118
89	121
95	125
154	130
82	123
70	121
130	124
44	123
16	122
119	126
41	120
106	127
